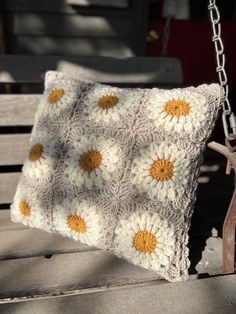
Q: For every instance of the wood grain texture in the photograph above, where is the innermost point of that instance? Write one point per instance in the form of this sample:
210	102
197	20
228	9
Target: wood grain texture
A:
16	110
109	3
50	45
151	70
14	147
68	25
60	6
71	271
208	296
7	225
8	184
28	242
56	18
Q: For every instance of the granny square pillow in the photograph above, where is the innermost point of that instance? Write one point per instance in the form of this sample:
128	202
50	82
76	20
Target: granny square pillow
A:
117	168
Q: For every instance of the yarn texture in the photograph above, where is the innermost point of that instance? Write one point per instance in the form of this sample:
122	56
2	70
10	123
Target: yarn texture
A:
118	168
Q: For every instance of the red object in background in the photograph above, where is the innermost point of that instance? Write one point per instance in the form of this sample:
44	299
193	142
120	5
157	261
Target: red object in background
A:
191	42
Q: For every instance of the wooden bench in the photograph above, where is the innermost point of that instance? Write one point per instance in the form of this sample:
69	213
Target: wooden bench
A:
37	265
59	27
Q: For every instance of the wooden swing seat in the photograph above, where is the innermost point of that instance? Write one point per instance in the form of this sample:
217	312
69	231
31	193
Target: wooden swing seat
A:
39	266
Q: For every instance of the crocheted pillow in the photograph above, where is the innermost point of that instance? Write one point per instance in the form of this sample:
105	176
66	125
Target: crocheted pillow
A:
117	168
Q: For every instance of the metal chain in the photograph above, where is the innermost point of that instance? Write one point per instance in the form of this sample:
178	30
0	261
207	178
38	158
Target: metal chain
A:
220	60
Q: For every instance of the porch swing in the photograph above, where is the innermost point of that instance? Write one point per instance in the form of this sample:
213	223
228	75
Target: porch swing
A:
227	150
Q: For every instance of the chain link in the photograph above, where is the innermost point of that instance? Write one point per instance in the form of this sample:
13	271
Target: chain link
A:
220	68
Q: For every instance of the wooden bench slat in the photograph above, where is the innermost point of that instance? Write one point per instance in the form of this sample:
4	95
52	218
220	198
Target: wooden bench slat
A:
99	69
14	148
8	184
16	110
6	224
68	25
52	45
69	271
210	295
18	240
59	7
32	242
116	4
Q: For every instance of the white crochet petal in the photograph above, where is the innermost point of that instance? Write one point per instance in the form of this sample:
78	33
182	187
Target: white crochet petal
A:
156	188
191	121
89	213
109	151
160	256
65	95
108	115
34	215
43	165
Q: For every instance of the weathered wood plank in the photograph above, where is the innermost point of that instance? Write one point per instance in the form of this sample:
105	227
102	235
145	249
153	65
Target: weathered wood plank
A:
100	69
6	224
16	110
28	242
14	148
208	296
8	184
109	3
67	25
59	6
71	271
18	241
48	45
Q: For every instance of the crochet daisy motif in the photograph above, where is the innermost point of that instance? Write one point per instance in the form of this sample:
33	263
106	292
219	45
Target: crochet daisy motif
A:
107	104
146	240
40	158
160	171
177	110
26	209
79	220
57	98
92	161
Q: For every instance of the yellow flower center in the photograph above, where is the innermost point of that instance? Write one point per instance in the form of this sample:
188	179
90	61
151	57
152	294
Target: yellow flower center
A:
24	209
56	95
145	242
178	107
76	223
162	170
36	152
108	101
90	160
